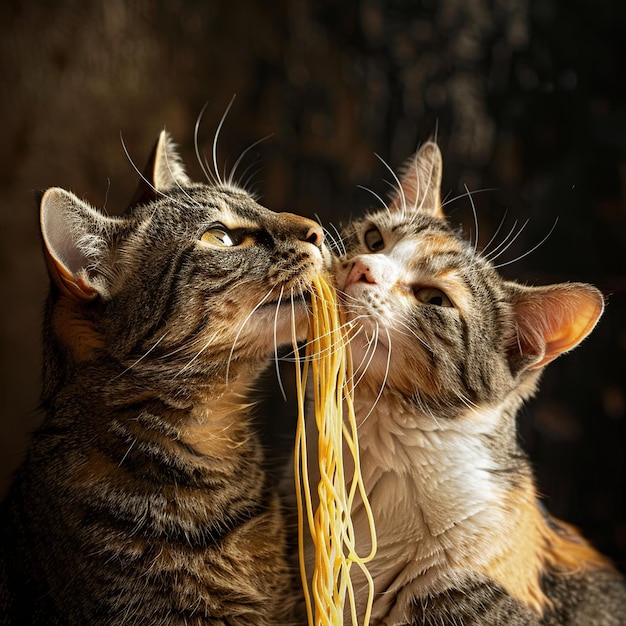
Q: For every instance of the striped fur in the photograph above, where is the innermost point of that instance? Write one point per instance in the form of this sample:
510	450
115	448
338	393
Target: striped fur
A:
446	352
143	497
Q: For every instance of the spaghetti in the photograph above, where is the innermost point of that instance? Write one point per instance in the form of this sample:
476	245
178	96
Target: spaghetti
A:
327	360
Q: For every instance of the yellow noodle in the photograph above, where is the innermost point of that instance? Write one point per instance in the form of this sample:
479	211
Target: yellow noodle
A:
329	364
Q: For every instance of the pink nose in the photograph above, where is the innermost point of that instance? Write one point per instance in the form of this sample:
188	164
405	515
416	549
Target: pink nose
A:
360	273
315	235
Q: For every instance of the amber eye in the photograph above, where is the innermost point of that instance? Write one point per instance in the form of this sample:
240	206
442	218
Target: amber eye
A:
222	237
374	240
432	296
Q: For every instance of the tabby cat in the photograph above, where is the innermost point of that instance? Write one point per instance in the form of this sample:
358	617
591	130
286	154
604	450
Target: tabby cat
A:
142	498
449	351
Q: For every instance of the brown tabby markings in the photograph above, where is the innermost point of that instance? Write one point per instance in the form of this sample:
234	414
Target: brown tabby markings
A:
143	498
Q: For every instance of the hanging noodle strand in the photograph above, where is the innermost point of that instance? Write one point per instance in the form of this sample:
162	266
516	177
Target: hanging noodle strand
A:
327	361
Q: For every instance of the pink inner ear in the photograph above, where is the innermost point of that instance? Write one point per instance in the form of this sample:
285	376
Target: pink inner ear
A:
69	284
64	258
552	320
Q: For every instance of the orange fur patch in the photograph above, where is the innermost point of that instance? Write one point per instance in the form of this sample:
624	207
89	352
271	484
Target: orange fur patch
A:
438	243
216	428
74	331
531	545
567	550
96	469
518	567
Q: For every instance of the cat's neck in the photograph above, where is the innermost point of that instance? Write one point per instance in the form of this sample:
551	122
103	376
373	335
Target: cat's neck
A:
212	417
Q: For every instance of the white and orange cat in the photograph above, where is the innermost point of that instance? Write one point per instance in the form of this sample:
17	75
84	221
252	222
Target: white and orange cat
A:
449	351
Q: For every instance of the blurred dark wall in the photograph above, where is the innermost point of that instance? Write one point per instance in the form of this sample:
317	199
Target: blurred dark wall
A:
524	97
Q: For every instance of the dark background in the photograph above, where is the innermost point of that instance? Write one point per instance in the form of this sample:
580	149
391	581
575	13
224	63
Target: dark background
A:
526	99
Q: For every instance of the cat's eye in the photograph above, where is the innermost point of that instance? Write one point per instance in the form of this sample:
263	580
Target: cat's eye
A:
432	296
222	237
374	240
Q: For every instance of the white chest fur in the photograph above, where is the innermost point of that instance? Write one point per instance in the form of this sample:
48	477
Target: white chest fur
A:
436	503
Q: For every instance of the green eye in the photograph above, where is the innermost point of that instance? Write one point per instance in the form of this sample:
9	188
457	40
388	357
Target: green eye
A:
432	296
374	240
221	237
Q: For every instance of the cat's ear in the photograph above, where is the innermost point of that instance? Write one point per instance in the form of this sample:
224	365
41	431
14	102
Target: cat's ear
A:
552	320
164	171
420	182
73	237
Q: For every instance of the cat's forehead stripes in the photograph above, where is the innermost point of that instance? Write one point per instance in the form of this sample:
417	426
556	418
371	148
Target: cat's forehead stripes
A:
222	207
234	219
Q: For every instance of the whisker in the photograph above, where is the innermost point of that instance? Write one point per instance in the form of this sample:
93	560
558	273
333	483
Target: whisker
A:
231	176
384	382
475	214
195	341
493	237
415	335
247	183
179	186
532	249
206	343
341	247
143	356
106	194
278	376
300	295
448	201
368	357
176	201
203	165
243	324
333	243
216	138
395	176
467	402
130	447
493	253
382	202
141	174
290	356
511	242
193	359
426	409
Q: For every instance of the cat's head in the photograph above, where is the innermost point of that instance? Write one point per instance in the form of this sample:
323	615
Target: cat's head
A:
433	320
192	277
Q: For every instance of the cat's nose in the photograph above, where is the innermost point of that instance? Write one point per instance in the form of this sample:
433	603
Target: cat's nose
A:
301	227
360	273
314	235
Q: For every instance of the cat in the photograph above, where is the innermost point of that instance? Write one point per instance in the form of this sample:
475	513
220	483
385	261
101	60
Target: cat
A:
142	498
445	352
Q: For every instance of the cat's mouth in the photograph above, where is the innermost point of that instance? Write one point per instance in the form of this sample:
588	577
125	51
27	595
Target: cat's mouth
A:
290	302
293	297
